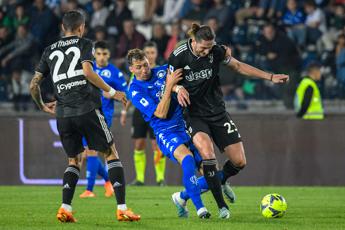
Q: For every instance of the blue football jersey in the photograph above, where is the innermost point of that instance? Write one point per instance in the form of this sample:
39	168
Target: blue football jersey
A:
113	77
146	95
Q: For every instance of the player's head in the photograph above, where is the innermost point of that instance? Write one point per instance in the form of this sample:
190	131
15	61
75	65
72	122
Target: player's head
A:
151	52
102	53
203	39
73	22
139	64
314	71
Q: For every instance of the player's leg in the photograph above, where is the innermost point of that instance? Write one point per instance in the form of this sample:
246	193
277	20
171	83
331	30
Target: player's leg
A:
72	143
100	139
159	160
226	136
186	159
91	171
139	133
102	171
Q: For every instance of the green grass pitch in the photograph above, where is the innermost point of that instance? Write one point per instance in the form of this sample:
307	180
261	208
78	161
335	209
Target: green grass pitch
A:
34	207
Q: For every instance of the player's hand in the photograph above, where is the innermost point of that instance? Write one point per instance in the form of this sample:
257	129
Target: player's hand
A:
173	77
49	108
183	97
120	96
280	78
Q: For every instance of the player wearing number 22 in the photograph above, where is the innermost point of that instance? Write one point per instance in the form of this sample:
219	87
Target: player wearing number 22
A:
78	110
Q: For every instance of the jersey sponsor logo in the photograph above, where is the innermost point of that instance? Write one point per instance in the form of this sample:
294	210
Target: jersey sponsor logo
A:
203	74
68	86
161	73
106	73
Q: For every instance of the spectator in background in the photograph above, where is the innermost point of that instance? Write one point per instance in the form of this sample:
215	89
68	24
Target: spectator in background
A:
20	18
18	52
293	21
20	89
160	37
43	24
196	13
99	15
221	12
175	37
5	37
100	34
152	7
271	8
172	10
340	64
130	39
282	56
116	17
315	21
4	19
222	36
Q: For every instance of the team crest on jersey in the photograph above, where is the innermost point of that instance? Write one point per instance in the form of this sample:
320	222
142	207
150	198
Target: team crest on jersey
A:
210	56
106	73
161	74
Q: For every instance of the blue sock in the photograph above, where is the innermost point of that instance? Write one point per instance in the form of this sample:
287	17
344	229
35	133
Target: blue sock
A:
202	184
102	171
190	181
91	173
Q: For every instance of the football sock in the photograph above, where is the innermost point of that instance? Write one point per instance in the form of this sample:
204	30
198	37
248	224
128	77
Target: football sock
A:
140	164
159	160
117	179
70	179
102	171
190	181
91	171
213	181
229	170
202	184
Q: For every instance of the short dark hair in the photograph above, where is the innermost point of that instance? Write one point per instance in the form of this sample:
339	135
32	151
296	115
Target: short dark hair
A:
310	3
150	44
313	65
201	32
102	45
72	20
135	54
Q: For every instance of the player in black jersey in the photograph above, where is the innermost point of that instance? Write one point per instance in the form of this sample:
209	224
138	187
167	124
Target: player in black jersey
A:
206	116
78	103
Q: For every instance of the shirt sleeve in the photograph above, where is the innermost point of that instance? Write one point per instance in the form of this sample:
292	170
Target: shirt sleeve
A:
306	101
87	52
174	62
42	66
219	53
143	102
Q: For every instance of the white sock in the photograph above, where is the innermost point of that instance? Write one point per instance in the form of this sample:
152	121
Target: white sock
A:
122	207
201	210
67	207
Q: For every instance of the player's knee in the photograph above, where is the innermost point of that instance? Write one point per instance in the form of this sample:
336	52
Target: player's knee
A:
139	144
74	161
240	163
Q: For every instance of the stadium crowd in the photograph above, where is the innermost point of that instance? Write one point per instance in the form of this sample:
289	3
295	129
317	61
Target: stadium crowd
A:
281	36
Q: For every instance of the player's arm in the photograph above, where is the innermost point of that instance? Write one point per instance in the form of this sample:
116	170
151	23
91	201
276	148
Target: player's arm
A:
100	83
251	71
35	91
163	106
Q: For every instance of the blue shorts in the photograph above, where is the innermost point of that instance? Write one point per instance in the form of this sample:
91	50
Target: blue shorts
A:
169	140
108	119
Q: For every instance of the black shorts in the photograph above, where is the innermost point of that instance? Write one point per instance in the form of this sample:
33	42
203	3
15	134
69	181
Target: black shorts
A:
223	131
91	125
140	128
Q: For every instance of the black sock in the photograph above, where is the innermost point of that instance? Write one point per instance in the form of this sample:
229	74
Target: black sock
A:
229	170
117	179
213	181
70	179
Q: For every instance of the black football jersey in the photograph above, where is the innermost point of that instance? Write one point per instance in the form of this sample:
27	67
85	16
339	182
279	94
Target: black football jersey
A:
62	61
200	78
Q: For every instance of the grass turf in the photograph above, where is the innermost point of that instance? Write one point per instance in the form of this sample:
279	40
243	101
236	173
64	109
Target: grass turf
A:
34	207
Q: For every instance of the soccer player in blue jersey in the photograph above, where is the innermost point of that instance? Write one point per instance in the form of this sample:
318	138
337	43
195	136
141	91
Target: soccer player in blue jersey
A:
112	76
151	92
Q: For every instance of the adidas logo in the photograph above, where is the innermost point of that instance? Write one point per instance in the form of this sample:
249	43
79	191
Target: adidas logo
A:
117	184
187	67
66	186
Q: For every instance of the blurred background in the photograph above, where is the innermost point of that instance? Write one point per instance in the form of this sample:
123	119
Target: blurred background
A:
281	36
